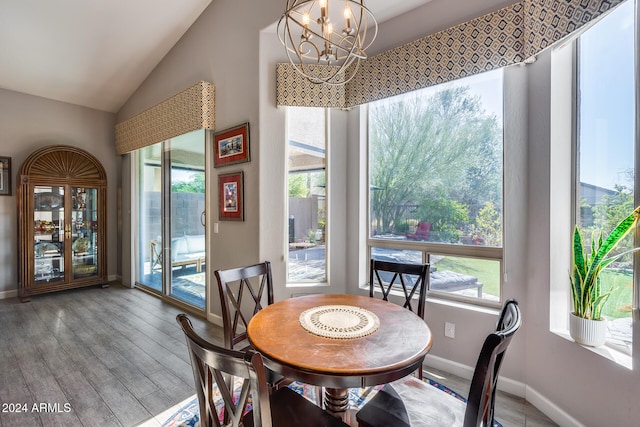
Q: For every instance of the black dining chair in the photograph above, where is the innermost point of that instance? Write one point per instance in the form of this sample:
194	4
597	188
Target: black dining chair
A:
217	367
413	402
243	292
408	278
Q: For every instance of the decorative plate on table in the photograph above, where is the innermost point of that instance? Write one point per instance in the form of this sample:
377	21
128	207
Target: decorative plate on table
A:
339	321
81	245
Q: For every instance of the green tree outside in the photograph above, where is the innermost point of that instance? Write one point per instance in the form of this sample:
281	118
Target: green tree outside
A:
440	153
194	185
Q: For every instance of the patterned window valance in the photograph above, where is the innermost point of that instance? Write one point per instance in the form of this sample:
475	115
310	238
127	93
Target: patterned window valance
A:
505	37
187	111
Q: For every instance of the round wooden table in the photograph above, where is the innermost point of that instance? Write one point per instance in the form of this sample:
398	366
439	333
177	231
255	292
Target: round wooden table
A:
394	351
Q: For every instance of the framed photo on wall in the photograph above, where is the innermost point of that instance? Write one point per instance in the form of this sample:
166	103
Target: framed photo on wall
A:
5	176
231	146
231	196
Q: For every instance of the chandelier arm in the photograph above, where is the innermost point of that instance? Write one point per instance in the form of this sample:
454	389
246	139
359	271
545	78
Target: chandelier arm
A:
317	56
337	52
311	31
289	44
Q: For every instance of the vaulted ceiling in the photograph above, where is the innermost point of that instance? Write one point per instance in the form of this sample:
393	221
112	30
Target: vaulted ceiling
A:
97	53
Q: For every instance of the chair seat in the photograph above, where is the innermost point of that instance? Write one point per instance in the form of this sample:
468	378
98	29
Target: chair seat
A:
289	409
411	402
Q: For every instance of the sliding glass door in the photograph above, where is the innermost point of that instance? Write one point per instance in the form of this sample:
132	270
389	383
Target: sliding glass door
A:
171	219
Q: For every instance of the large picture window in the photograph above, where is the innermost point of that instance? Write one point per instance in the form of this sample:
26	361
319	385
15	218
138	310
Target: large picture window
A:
605	155
435	183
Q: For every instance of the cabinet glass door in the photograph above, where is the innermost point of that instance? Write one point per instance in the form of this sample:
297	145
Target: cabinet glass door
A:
49	234
83	232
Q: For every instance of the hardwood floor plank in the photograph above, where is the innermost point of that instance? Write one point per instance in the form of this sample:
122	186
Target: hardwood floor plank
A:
86	401
22	419
122	403
172	385
135	381
156	402
14	389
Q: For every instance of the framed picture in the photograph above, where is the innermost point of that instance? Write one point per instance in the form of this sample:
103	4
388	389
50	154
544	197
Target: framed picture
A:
5	176
232	146
231	196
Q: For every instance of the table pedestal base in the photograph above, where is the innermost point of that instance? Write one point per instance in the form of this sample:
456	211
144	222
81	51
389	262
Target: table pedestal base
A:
336	402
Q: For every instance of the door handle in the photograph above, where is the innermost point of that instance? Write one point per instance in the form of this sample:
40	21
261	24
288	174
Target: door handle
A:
202	218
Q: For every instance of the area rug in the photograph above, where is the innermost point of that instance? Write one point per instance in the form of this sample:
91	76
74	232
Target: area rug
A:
188	415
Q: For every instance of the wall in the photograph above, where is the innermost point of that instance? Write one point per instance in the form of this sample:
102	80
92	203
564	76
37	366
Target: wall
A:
559	376
28	123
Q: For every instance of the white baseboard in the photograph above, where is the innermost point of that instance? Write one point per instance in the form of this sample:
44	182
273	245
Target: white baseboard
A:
9	294
216	319
507	385
551	410
455	368
510	386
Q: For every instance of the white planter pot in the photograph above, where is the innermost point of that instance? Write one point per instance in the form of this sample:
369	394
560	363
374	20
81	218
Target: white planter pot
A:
587	332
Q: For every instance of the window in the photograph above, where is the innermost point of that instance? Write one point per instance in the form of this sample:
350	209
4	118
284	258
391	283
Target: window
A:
605	150
435	183
307	178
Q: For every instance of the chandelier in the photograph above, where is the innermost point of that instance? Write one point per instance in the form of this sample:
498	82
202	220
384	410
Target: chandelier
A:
327	32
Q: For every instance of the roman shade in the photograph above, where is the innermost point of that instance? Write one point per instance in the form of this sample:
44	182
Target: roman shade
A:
184	112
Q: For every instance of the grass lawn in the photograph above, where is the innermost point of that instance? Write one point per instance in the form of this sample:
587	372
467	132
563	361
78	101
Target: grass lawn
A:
621	285
487	272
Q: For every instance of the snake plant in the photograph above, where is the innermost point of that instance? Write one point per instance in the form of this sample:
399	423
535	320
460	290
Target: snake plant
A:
588	298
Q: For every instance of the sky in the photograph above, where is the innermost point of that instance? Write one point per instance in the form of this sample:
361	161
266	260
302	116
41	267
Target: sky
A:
487	86
607	99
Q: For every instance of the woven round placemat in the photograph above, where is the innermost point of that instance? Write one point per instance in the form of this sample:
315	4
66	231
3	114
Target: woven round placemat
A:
339	321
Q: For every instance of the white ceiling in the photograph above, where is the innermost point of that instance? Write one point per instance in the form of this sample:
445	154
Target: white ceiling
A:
97	53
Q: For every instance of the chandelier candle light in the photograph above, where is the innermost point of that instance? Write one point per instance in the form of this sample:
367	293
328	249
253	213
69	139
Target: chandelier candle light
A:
327	32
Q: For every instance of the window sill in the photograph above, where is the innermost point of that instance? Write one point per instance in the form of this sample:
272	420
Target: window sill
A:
605	351
478	305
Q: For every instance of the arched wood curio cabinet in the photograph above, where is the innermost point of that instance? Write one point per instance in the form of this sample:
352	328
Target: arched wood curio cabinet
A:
61	198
